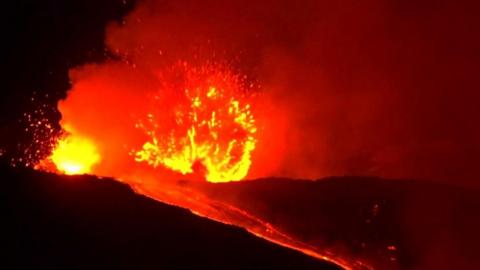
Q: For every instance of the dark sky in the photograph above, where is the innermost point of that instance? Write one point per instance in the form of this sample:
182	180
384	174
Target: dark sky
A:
41	41
378	87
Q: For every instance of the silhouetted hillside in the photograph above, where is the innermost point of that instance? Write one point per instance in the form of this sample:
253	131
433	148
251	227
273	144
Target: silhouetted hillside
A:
84	222
59	222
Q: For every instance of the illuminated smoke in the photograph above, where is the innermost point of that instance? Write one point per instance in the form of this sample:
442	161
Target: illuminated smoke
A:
367	89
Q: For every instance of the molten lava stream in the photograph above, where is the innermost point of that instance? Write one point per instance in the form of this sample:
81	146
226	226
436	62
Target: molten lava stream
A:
181	195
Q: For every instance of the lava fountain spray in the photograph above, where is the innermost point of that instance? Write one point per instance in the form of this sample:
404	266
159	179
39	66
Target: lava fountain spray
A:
197	122
208	128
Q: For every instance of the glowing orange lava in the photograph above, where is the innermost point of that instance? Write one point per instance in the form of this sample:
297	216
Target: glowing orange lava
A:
75	155
72	155
210	128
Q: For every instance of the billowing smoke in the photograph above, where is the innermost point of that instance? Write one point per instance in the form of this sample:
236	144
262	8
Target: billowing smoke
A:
375	87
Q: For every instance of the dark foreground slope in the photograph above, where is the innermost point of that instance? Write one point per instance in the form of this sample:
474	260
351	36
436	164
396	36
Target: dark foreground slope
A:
391	224
54	222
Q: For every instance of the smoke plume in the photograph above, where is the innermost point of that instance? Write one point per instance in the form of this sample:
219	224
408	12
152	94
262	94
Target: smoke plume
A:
376	87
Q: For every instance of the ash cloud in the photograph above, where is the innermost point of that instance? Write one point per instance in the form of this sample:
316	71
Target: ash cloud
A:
376	87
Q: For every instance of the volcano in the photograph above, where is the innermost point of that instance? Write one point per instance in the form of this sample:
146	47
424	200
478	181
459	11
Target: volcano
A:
203	134
83	221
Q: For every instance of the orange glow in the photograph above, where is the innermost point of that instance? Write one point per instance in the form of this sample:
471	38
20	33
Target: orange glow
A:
75	155
211	127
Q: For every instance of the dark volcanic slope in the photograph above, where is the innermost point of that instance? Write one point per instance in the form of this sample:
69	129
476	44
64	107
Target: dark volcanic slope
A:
55	222
392	224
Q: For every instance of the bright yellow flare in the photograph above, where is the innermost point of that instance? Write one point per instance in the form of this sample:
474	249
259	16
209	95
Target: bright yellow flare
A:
75	155
204	125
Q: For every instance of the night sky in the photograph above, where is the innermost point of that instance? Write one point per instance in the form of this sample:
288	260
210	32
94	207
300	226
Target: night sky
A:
42	41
